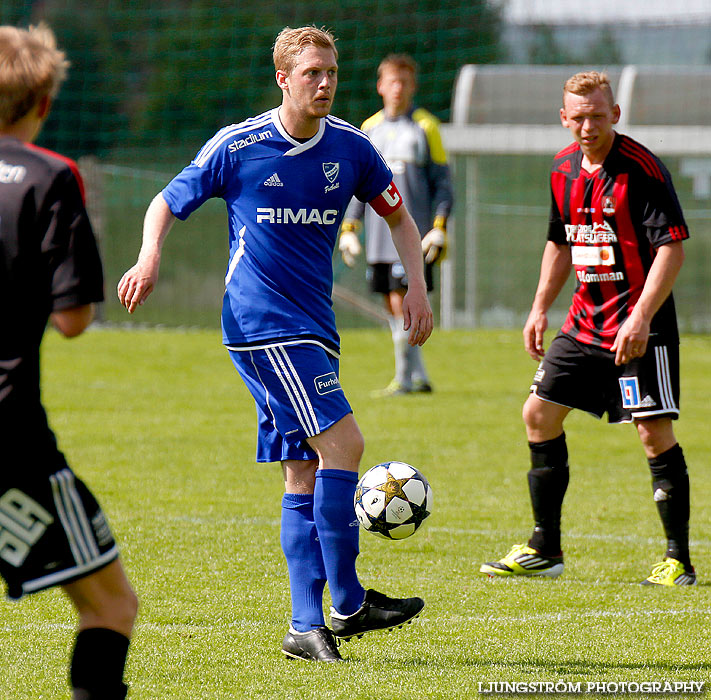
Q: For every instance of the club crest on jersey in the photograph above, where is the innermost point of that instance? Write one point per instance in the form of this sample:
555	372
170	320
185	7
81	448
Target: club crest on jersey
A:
331	170
608	205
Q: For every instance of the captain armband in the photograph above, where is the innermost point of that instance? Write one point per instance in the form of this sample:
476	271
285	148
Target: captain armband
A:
388	201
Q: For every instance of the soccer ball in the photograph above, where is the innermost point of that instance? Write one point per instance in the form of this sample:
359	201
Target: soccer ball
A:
392	500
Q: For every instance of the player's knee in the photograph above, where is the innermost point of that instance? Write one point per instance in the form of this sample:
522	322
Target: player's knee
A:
130	605
353	448
543	420
341	446
113	604
119	610
534	416
357	445
657	435
352	437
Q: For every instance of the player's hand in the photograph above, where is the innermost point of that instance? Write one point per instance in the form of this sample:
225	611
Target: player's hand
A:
533	333
417	315
137	283
631	340
348	243
434	245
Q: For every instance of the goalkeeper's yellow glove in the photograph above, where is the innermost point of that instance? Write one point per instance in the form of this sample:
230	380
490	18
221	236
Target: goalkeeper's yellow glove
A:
434	244
348	243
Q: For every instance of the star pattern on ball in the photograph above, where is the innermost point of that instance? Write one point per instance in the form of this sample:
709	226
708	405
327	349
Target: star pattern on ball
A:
392	500
392	488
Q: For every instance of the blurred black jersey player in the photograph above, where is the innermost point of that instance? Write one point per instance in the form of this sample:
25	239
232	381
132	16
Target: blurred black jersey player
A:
52	530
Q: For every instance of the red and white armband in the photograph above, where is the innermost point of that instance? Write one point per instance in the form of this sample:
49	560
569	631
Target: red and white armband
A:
388	201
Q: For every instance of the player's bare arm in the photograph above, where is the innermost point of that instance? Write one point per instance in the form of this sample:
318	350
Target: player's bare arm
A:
633	336
73	322
138	282
555	269
416	309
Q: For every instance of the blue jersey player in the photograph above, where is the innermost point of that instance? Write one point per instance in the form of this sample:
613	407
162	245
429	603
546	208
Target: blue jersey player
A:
287	177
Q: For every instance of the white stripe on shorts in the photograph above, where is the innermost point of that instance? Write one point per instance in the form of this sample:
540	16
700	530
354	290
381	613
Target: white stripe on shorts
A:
664	378
59	577
73	517
291	382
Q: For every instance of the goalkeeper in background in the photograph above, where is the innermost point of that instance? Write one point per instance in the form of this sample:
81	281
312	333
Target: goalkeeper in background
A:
409	139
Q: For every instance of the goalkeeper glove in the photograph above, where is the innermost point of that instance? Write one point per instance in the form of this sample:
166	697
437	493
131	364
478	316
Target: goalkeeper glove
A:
348	243
434	244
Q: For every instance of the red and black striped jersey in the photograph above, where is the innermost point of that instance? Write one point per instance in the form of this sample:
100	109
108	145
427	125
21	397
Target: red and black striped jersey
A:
613	220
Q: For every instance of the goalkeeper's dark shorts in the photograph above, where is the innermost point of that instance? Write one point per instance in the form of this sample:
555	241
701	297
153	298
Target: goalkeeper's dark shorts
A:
390	277
577	375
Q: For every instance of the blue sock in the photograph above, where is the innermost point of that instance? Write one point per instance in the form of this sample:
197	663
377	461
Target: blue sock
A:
307	576
338	531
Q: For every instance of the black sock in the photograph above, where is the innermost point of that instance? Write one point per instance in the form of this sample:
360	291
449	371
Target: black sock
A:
670	485
547	484
98	660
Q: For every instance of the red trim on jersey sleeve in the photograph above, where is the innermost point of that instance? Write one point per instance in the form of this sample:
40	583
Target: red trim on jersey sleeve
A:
567	150
67	161
388	201
643	156
678	233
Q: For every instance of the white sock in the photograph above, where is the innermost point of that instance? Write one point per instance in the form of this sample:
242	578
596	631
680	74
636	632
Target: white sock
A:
402	374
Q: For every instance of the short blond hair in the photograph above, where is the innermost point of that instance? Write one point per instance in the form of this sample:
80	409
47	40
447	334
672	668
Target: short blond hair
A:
588	81
31	67
399	61
291	42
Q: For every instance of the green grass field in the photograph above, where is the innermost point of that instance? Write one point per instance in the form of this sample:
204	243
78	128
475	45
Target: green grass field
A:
160	426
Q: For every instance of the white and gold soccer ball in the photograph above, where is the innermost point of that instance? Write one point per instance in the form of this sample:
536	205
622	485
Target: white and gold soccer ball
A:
392	500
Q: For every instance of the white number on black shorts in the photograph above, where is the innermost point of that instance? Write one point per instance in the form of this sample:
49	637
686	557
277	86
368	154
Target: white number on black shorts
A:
22	522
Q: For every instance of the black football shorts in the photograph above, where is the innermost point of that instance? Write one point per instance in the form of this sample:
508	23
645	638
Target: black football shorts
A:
52	531
582	376
389	277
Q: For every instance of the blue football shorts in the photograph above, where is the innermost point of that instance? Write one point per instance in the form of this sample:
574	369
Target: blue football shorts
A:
585	377
297	394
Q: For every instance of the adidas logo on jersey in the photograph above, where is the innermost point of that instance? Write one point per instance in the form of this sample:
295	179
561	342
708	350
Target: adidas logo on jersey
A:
273	181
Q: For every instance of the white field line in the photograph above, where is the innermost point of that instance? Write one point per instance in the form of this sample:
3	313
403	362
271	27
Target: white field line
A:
594	614
165	628
491	534
593	536
169	628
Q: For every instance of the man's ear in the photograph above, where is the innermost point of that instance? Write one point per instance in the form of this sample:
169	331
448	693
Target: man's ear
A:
563	118
616	114
282	79
44	106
